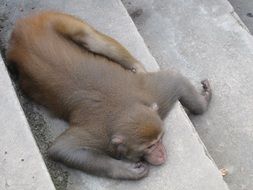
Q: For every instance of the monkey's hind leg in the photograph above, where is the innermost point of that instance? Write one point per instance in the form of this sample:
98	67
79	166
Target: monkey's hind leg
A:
82	33
71	151
169	86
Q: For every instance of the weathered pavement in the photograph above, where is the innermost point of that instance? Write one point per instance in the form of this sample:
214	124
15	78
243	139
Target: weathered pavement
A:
188	166
205	39
21	164
244	8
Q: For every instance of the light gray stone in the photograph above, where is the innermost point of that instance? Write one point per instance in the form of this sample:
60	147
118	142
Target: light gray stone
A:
21	164
244	8
206	39
188	166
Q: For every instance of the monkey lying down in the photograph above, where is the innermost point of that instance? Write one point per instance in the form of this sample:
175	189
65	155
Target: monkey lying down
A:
114	108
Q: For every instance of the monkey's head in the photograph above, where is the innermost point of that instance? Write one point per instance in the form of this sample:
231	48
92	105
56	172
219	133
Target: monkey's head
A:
139	135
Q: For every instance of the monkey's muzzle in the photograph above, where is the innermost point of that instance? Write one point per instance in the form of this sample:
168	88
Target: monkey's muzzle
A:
158	155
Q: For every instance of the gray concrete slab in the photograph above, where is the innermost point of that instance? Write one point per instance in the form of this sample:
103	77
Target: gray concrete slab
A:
188	166
21	164
205	39
244	8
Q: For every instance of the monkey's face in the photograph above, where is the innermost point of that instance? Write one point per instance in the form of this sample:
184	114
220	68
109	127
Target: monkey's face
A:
153	152
140	136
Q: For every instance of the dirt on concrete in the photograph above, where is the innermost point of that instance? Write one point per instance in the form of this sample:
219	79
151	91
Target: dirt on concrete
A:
42	134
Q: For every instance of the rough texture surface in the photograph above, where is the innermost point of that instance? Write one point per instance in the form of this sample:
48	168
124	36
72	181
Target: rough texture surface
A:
21	164
188	166
244	8
205	39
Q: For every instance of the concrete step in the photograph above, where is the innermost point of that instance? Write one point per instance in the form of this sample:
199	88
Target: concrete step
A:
206	39
188	167
22	166
244	8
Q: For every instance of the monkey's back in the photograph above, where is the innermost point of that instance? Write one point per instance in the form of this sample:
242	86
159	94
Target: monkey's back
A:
58	73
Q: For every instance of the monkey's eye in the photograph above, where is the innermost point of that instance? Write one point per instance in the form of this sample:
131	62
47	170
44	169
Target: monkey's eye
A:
119	157
151	146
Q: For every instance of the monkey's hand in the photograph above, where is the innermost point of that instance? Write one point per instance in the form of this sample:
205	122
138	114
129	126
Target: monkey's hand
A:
129	170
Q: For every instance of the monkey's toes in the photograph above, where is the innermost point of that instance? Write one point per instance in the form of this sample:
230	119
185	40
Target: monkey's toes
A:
206	85
207	91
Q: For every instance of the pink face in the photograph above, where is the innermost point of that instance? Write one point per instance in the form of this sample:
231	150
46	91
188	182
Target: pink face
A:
156	153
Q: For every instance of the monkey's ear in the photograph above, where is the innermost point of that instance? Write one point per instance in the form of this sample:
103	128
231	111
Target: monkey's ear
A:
154	106
118	142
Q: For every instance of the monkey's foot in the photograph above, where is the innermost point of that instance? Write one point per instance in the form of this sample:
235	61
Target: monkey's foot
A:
207	92
206	85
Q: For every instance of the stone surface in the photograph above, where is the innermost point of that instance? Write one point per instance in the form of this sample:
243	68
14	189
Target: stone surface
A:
188	166
21	164
205	39
244	8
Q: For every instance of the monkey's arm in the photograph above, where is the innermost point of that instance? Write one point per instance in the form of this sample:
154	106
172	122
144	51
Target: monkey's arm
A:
82	33
169	86
68	150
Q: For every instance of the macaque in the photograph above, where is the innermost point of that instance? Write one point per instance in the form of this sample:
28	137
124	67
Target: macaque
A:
115	109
